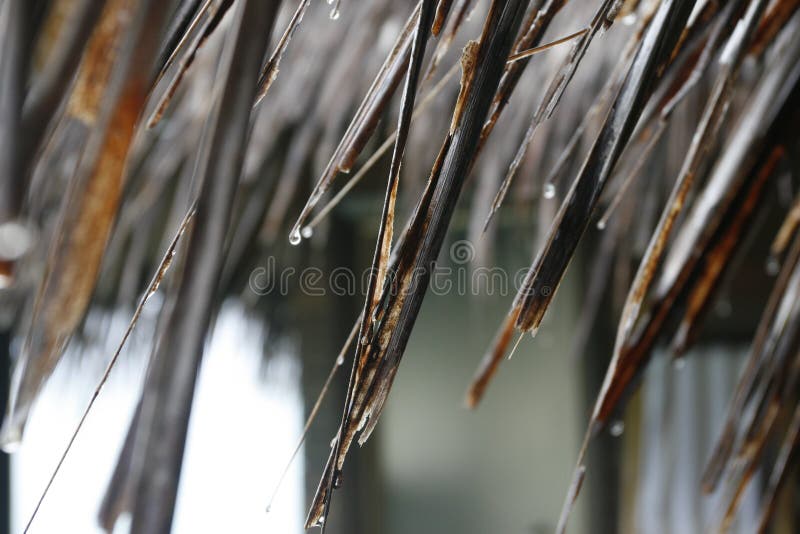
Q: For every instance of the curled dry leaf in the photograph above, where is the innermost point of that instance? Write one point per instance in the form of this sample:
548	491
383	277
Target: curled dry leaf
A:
110	93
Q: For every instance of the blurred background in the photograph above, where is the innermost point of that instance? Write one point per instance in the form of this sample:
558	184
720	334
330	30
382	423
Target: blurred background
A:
433	465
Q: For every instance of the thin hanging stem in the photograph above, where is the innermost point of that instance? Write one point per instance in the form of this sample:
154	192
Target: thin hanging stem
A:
535	50
388	143
311	416
163	267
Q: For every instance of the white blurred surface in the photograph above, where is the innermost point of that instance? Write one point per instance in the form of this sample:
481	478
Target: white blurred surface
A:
242	431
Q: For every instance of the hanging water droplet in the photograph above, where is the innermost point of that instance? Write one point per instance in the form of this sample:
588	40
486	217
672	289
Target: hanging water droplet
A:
601	224
337	479
723	307
11	438
307	232
330	2
335	13
629	19
617	428
549	191
294	238
15	240
11	446
679	363
340	360
773	266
